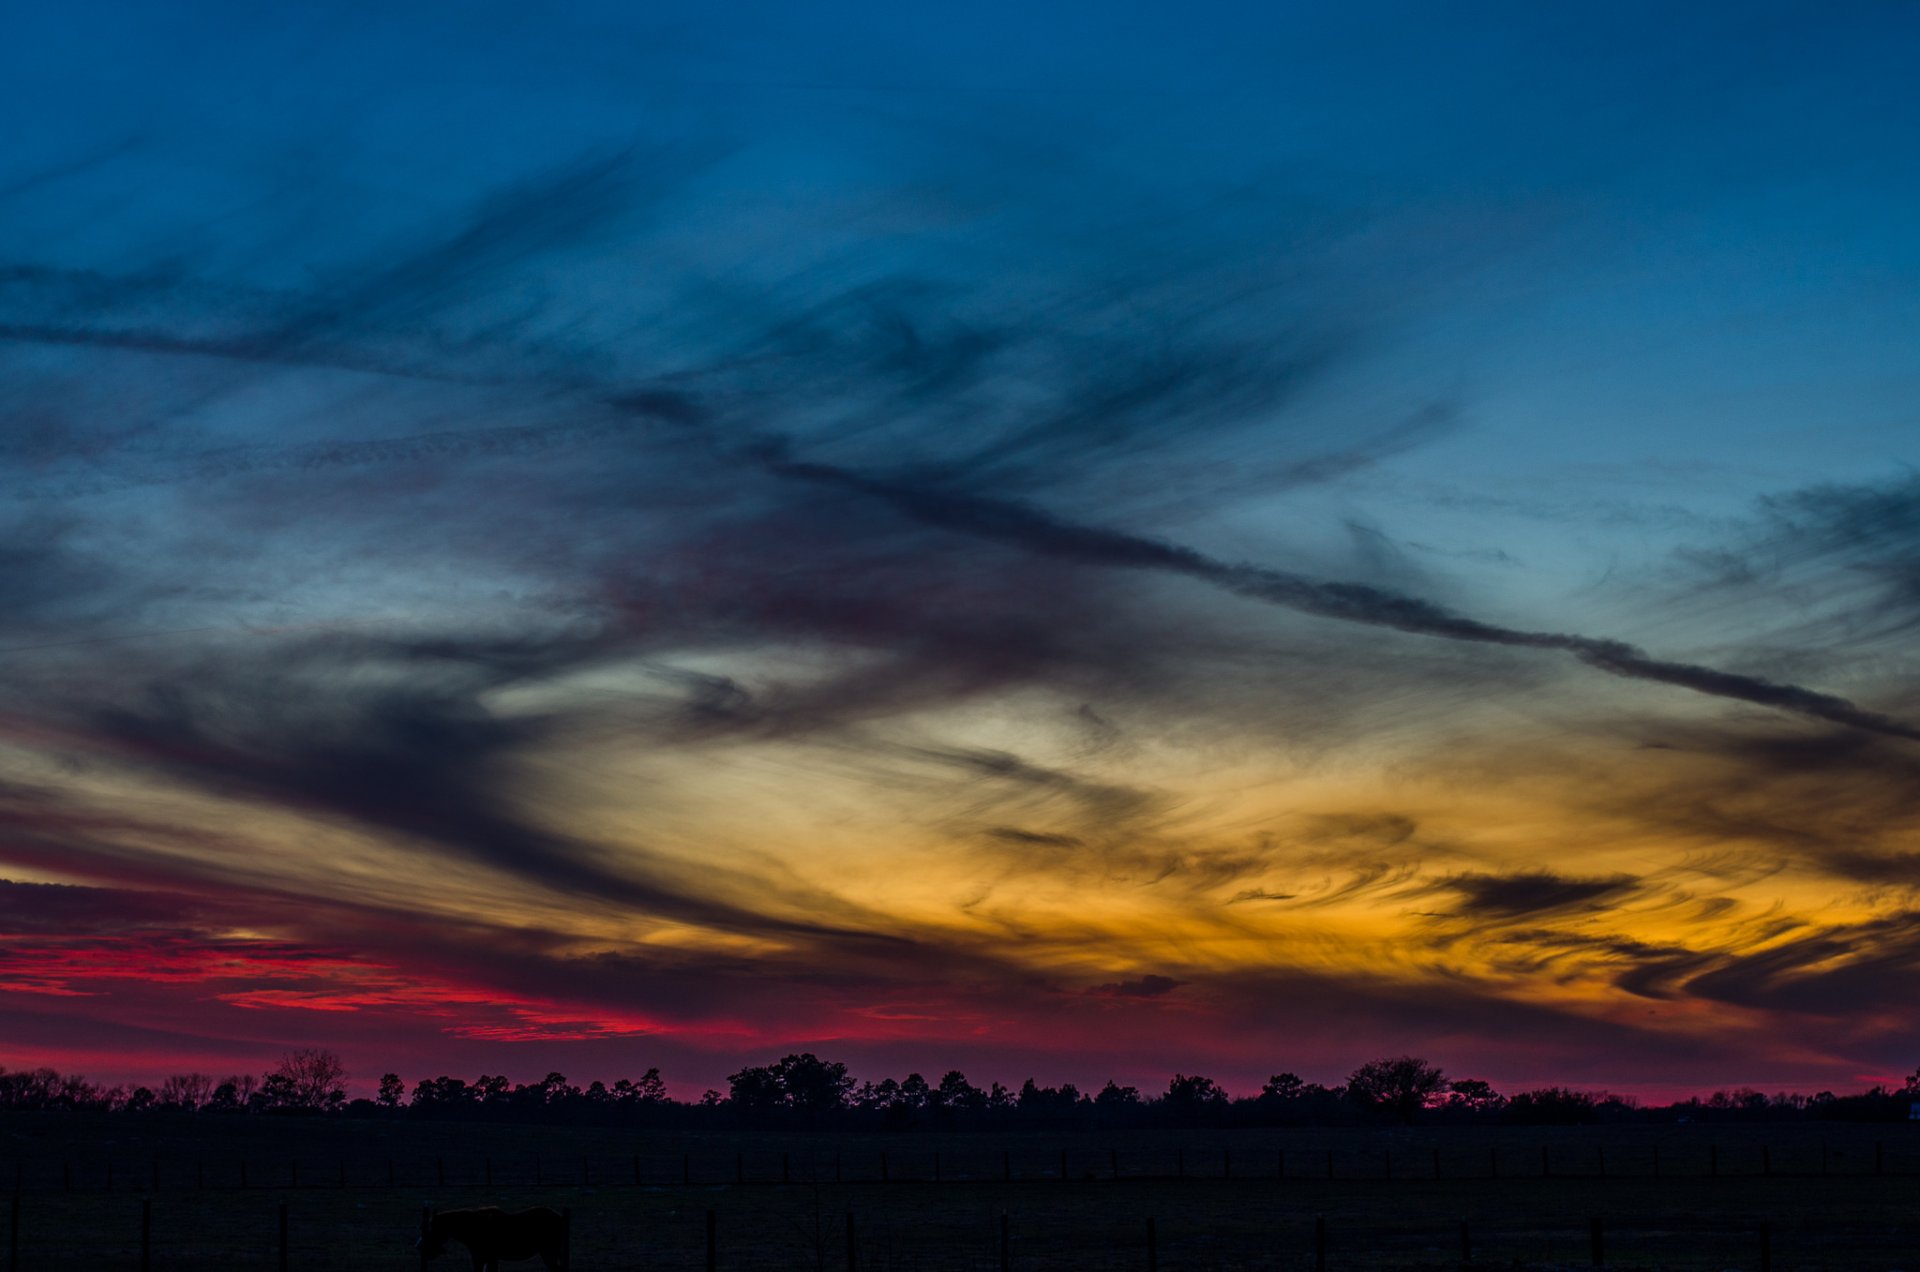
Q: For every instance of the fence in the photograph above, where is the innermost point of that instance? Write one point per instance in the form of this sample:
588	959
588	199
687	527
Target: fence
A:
1084	1165
1755	1245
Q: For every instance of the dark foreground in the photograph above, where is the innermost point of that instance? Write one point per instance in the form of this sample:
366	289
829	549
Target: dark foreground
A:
210	1194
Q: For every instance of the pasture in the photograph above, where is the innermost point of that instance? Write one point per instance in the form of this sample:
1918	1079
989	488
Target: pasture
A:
210	1193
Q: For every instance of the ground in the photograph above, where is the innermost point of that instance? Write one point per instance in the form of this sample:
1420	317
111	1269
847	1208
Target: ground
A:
1830	1197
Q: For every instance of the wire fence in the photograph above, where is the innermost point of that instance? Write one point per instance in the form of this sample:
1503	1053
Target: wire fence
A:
162	1173
290	1237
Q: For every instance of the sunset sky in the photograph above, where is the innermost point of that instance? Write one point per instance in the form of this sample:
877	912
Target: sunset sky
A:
1071	540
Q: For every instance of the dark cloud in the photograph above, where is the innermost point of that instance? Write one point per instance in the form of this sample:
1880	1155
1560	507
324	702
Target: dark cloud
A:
399	738
1008	521
1148	986
1837	566
1531	892
74	910
1033	838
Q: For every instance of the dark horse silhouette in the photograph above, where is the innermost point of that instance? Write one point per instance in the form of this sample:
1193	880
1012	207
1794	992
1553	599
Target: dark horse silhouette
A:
492	1234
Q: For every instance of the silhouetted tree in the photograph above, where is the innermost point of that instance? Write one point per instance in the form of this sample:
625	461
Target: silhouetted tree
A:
392	1091
1549	1106
1401	1085
959	1096
1192	1098
442	1095
311	1079
649	1090
186	1092
802	1084
1282	1088
1473	1095
234	1094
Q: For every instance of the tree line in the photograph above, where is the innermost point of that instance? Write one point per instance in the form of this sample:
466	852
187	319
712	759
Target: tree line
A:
803	1091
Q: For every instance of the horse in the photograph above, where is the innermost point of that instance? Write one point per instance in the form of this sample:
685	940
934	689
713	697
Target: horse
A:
492	1234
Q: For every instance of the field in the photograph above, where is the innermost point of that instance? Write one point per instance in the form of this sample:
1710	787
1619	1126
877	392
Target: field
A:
211	1191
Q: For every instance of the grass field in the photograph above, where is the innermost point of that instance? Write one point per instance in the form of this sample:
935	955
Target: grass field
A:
1831	1197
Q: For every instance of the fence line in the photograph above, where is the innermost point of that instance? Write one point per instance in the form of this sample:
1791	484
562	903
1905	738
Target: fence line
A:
948	1168
1322	1240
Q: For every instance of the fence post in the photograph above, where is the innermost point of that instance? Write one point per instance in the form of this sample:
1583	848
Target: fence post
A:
713	1248
1597	1235
1006	1244
146	1234
283	1237
1320	1243
852	1246
426	1230
1153	1247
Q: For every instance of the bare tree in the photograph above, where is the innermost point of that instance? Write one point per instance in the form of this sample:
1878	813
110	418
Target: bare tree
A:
312	1078
189	1091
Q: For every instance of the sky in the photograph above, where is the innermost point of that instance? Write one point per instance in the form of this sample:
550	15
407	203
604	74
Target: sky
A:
1075	541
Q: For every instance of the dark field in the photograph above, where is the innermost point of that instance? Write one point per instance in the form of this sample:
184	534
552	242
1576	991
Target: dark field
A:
1831	1197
